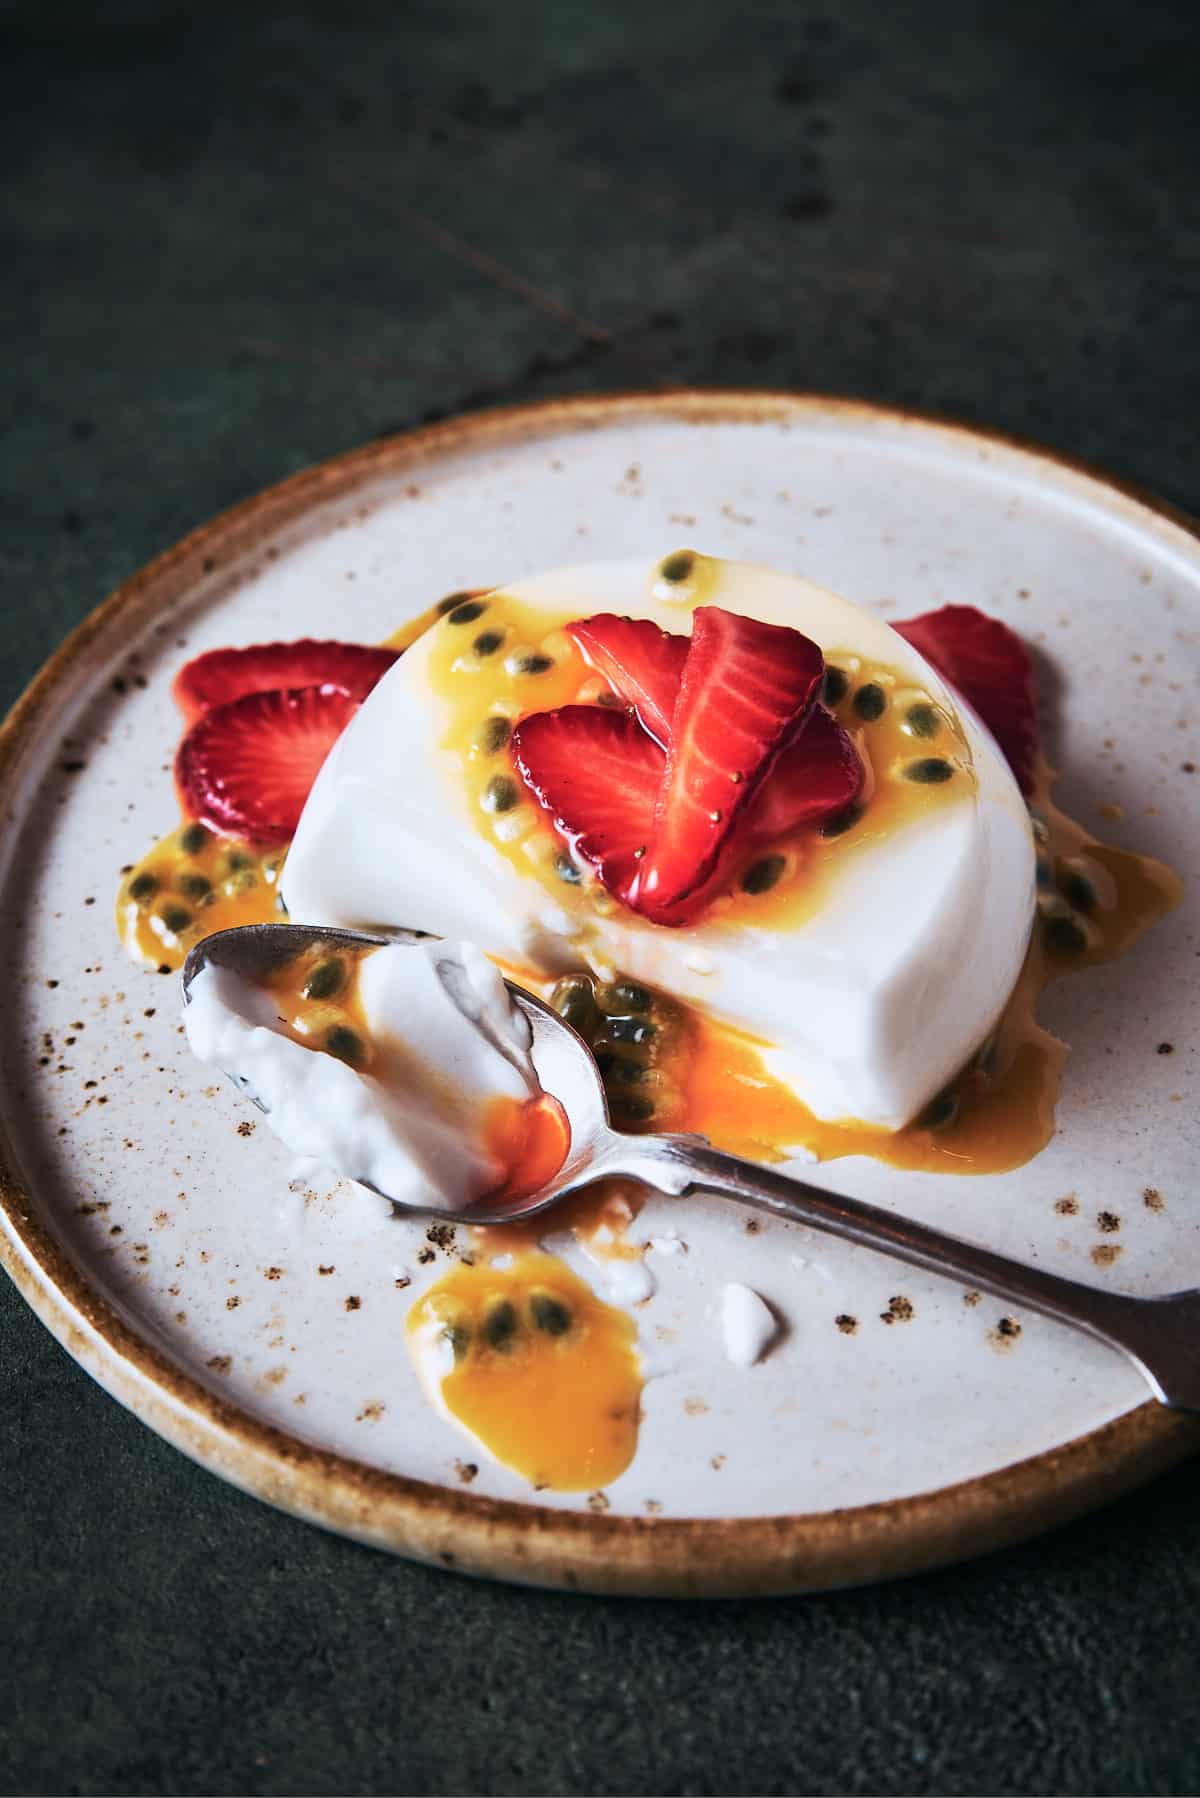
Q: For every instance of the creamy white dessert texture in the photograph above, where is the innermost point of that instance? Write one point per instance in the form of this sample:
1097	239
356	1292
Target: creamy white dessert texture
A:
748	1324
870	1005
447	1039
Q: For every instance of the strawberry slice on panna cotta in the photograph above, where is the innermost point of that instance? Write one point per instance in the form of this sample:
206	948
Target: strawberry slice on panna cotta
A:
727	706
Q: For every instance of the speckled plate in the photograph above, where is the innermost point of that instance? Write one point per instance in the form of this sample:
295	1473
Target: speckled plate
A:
149	1222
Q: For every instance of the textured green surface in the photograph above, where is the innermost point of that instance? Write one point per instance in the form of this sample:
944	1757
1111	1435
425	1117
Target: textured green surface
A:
219	260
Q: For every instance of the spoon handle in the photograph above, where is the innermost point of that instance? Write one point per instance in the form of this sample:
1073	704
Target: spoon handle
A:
1160	1335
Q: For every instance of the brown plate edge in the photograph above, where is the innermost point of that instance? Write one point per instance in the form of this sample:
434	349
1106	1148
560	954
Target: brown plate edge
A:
688	1557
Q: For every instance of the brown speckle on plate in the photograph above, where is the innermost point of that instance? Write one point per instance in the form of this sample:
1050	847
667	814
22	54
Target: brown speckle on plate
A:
1108	1222
1105	1253
220	1363
246	1127
353	1303
845	1323
466	1471
695	1407
900	1310
598	1501
1005	1333
1068	1206
372	1411
1152	1199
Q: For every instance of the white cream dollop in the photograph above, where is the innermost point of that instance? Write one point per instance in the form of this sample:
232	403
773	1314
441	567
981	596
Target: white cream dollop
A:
748	1324
447	1040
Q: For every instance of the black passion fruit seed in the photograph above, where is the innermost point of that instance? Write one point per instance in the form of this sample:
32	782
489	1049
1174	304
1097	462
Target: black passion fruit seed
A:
762	875
346	1044
930	771
487	643
493	734
237	860
142	886
193	839
629	1073
1065	935
631	1030
326	979
535	664
922	721
566	870
870	702
628	996
677	567
452	601
574	1001
940	1111
459	1338
468	613
835	686
195	886
842	821
634	1107
500	1325
175	918
1045	873
549	1314
500	794
1078	891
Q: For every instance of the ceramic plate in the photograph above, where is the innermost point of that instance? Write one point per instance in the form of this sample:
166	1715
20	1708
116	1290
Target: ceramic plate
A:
149	1222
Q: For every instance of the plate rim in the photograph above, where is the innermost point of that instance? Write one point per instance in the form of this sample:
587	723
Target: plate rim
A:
505	1538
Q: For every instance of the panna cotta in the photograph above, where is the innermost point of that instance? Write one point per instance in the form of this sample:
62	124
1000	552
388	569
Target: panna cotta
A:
868	959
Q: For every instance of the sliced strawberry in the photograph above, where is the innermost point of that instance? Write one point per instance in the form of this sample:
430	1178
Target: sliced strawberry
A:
221	675
991	667
641	663
817	776
745	690
246	769
597	773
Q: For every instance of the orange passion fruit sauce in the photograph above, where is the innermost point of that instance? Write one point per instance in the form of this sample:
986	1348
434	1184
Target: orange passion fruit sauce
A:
511	1343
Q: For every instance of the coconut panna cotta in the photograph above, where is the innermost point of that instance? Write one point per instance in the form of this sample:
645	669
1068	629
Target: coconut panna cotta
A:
864	955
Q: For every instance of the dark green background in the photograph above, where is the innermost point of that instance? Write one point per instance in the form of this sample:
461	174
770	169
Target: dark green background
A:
235	239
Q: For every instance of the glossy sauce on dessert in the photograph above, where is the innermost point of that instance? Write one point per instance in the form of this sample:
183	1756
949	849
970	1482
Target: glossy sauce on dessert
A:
543	1373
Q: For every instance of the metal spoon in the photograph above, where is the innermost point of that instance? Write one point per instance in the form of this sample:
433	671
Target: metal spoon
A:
1161	1336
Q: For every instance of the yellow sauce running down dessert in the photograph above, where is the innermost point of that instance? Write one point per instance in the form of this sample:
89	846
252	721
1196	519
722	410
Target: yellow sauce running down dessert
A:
542	1372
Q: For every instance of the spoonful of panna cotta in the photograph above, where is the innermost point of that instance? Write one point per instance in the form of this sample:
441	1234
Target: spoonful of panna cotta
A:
411	1066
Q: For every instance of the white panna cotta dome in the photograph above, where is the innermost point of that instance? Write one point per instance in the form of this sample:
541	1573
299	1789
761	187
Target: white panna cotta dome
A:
869	1005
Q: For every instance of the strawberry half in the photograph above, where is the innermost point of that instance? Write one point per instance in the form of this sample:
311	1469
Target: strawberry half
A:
745	691
245	769
817	776
222	675
597	773
991	667
640	662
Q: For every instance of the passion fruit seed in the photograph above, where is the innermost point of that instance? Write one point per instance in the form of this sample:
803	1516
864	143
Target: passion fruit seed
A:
243	882
452	601
459	1338
930	771
326	979
193	839
494	733
535	664
1078	891
631	1030
175	918
195	886
468	613
346	1044
870	702
1045	873
836	685
549	1314
1065	934
500	1326
842	821
922	720
142	886
762	875
575	1003
500	794
631	997
677	567
566	870
237	860
632	1073
487	643
940	1111
633	1106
